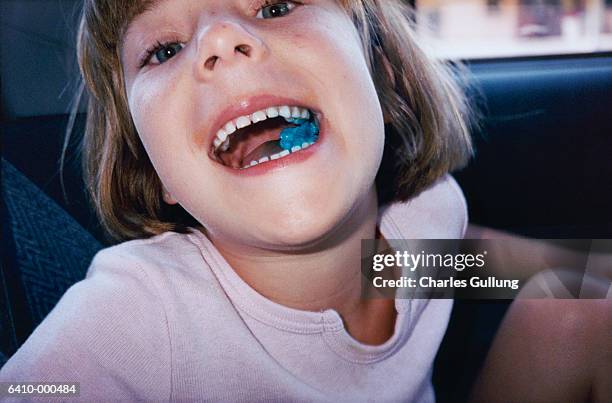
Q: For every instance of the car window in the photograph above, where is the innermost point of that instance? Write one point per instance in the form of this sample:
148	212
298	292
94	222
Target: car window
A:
508	28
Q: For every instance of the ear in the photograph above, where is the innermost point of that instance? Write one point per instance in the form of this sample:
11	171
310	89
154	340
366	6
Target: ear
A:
168	198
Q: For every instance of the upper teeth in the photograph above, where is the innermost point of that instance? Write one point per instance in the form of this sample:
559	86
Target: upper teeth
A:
221	140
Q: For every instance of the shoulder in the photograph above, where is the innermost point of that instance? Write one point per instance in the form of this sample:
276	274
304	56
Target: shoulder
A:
439	212
169	263
109	331
160	250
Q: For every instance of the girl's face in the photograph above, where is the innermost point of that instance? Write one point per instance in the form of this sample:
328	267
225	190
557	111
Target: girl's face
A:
223	59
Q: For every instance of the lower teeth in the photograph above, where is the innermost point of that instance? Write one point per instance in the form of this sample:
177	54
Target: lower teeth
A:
282	154
293	139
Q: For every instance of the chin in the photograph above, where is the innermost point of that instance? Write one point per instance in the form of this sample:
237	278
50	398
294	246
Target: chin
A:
308	228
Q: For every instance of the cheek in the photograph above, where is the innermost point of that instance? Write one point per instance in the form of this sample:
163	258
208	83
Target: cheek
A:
158	113
338	63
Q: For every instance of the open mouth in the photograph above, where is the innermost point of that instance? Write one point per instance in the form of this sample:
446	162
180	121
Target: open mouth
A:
266	135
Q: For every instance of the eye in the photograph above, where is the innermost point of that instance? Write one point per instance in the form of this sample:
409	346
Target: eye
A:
273	9
162	52
167	51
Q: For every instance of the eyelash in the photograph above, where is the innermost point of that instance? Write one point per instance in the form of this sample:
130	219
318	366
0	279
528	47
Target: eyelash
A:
260	4
150	51
146	58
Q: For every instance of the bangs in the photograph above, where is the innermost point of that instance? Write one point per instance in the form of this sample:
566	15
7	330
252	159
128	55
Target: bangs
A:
107	20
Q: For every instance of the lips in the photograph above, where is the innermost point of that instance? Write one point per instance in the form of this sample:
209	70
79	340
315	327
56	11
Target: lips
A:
258	132
280	115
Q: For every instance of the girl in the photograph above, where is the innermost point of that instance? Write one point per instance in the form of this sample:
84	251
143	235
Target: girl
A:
244	148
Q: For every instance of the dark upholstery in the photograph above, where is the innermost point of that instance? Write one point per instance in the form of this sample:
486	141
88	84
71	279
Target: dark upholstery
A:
45	252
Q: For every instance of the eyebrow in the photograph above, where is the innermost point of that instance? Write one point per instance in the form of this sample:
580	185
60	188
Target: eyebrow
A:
148	6
151	4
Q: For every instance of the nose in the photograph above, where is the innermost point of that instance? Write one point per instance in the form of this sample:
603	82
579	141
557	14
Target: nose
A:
225	43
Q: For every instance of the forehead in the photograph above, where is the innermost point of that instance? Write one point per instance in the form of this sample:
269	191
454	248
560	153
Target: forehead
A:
144	6
147	6
131	11
138	8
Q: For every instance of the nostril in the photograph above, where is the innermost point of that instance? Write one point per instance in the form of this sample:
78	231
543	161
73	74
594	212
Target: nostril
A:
210	62
244	49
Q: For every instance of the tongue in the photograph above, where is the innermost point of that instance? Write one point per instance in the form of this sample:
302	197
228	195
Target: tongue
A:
254	142
264	150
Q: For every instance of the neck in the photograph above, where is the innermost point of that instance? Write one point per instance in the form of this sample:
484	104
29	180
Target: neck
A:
325	276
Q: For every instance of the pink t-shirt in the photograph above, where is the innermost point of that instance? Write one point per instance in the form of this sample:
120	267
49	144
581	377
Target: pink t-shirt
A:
167	319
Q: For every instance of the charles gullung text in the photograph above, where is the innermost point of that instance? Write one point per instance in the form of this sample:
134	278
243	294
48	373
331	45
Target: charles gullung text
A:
416	261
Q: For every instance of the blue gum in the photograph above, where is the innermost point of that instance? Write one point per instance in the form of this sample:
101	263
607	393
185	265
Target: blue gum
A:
306	131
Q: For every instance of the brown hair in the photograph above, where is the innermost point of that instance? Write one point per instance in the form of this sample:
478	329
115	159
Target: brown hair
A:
427	134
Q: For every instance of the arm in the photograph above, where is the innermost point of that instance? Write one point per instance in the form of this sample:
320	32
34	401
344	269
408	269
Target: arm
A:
550	349
515	256
108	332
